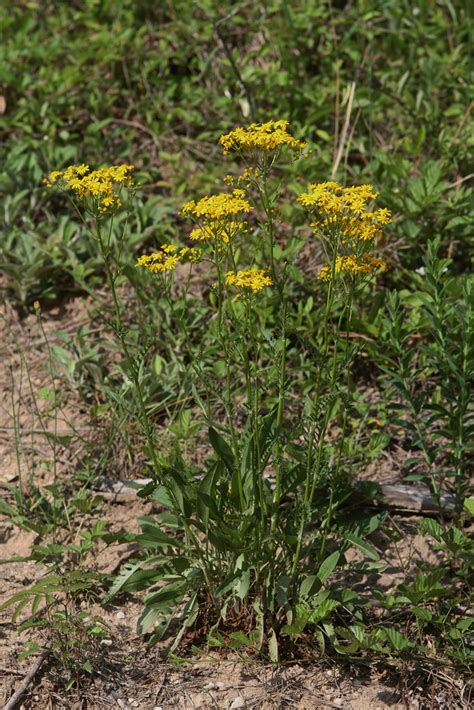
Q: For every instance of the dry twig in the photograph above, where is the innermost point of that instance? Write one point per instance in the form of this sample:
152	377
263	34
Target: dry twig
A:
18	694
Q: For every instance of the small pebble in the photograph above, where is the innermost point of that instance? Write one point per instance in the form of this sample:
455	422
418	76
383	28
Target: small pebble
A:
120	615
238	702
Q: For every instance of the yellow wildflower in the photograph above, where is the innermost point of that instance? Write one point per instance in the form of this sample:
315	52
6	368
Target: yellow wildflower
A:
158	262
217	207
333	197
214	230
344	210
352	264
100	185
251	279
167	259
249	174
267	136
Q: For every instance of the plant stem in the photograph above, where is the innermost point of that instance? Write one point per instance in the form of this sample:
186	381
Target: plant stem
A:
279	421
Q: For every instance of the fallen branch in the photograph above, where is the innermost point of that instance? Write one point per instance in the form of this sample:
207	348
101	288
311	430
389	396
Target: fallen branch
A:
414	499
18	694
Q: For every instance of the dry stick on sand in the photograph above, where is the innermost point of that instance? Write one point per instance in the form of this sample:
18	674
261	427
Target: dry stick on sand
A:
345	128
18	694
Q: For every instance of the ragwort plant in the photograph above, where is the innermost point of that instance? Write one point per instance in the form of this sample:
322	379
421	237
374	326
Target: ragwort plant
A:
248	541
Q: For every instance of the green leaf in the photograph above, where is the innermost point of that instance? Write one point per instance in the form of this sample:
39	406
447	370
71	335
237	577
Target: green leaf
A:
130	579
428	526
422	613
328	566
396	639
282	587
222	448
469	506
244	584
370	551
352	644
239	639
309	585
46	394
167	597
205	499
152	536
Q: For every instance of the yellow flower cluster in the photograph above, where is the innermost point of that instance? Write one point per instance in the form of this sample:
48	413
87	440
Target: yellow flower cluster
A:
344	209
102	185
218	217
214	230
167	259
218	207
342	219
352	264
251	279
261	136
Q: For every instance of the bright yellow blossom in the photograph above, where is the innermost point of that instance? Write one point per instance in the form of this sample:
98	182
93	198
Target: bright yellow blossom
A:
217	207
251	279
215	230
101	185
344	222
267	136
167	259
345	210
352	264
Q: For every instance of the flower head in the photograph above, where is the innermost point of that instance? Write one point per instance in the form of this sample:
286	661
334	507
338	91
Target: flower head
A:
102	185
344	210
215	230
167	259
346	225
252	279
267	136
219	217
218	207
352	264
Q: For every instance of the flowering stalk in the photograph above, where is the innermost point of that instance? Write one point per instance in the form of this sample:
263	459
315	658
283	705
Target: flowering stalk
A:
344	224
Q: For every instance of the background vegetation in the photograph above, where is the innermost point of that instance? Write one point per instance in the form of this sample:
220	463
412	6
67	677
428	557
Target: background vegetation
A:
155	83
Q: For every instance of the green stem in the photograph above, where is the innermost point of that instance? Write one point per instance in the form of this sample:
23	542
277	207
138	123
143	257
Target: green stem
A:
228	403
279	421
309	489
254	403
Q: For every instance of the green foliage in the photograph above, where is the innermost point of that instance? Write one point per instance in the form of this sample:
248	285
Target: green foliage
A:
177	75
429	361
437	599
57	607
